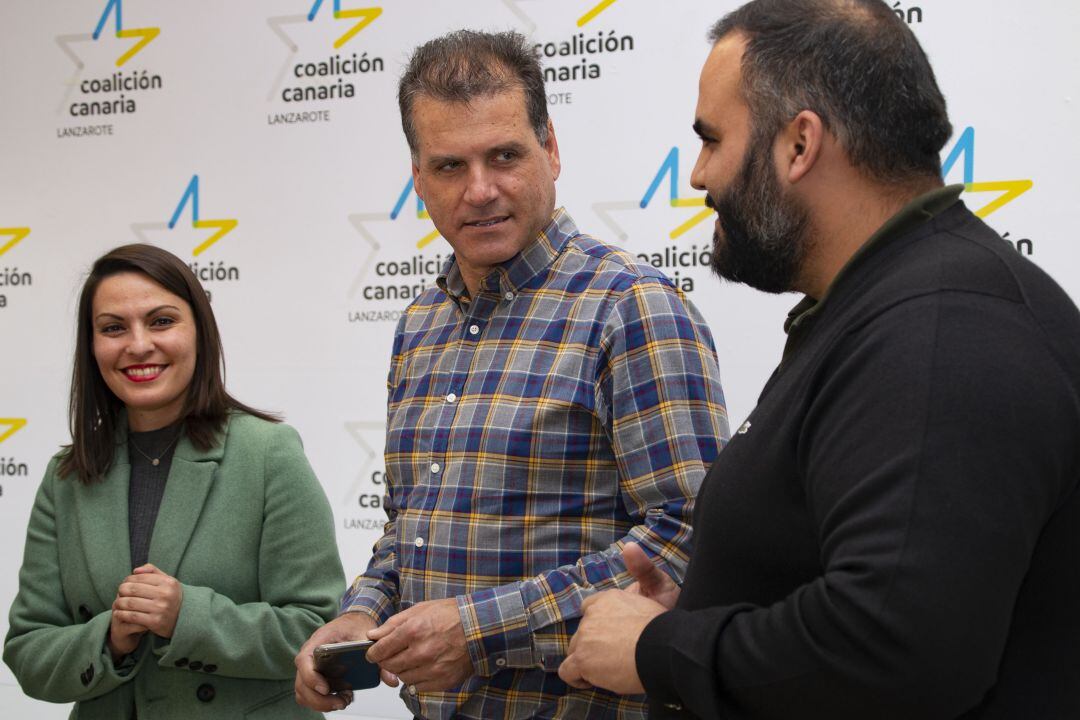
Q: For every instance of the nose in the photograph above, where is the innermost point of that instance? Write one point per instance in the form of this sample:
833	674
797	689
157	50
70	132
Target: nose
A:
481	188
697	175
140	342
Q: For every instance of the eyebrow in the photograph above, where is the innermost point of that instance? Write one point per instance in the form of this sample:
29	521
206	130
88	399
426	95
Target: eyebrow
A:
517	147
150	312
437	160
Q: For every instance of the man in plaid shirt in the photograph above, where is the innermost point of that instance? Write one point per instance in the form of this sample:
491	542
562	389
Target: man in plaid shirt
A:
549	400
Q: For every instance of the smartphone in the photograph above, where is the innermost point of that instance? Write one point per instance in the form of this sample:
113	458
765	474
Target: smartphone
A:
345	665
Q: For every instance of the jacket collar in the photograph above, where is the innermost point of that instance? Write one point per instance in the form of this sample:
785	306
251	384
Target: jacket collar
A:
103	512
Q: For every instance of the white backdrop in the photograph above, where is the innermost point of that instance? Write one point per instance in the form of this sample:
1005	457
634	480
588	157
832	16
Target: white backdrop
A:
303	225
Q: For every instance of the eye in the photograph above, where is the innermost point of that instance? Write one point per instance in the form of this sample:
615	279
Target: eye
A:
162	321
449	166
111	329
505	156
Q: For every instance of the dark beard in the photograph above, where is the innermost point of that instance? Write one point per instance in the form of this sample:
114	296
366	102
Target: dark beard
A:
765	232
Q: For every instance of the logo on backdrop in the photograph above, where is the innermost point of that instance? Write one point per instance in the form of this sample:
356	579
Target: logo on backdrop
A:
578	56
112	87
679	261
10	467
399	279
197	234
364	498
334	60
1004	192
12	279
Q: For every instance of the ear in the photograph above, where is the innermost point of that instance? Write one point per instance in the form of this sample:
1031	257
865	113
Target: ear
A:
416	181
551	147
800	144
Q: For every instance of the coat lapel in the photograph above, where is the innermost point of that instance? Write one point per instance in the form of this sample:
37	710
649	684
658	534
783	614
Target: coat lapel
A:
191	476
103	526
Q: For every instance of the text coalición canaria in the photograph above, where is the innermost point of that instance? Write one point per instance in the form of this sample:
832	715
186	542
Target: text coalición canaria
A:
92	89
337	67
415	267
588	48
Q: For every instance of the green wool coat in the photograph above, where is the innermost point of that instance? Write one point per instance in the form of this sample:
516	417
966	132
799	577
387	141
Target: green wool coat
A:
246	529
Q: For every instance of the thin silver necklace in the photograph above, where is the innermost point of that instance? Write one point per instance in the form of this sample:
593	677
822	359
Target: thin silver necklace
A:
155	461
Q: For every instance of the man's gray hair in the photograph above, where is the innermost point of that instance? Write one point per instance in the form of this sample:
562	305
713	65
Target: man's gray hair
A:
466	64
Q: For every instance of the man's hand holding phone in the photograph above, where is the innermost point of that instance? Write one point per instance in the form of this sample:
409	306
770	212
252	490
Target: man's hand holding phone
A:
313	689
345	665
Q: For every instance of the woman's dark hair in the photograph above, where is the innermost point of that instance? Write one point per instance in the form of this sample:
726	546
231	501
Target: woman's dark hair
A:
93	408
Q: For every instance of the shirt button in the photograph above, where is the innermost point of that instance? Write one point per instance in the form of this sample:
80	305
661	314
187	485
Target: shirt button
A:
418	542
500	662
451	398
435	468
474	329
508	296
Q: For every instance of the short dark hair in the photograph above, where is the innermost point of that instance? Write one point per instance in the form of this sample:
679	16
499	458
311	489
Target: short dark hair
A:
466	64
858	66
93	409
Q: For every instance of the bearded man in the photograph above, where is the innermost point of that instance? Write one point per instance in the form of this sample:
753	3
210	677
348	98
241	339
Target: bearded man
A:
894	531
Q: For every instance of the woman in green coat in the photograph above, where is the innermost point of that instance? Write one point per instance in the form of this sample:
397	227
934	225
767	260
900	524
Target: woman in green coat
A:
180	550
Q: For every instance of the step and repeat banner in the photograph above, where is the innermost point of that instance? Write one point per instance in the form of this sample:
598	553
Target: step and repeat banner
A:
260	141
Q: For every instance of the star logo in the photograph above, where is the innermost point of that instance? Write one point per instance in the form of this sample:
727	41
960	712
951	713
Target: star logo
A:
13	426
1007	190
114	8
590	14
144	36
14	234
190	197
360	222
359	17
669	170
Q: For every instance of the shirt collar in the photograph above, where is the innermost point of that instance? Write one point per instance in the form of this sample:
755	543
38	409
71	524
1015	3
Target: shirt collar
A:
516	272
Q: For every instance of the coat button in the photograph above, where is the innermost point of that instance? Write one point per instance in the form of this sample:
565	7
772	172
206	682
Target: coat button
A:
181	662
209	668
84	613
83	679
195	665
89	674
205	692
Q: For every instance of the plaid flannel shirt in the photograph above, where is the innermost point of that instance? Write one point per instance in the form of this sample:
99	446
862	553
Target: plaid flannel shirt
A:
572	405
